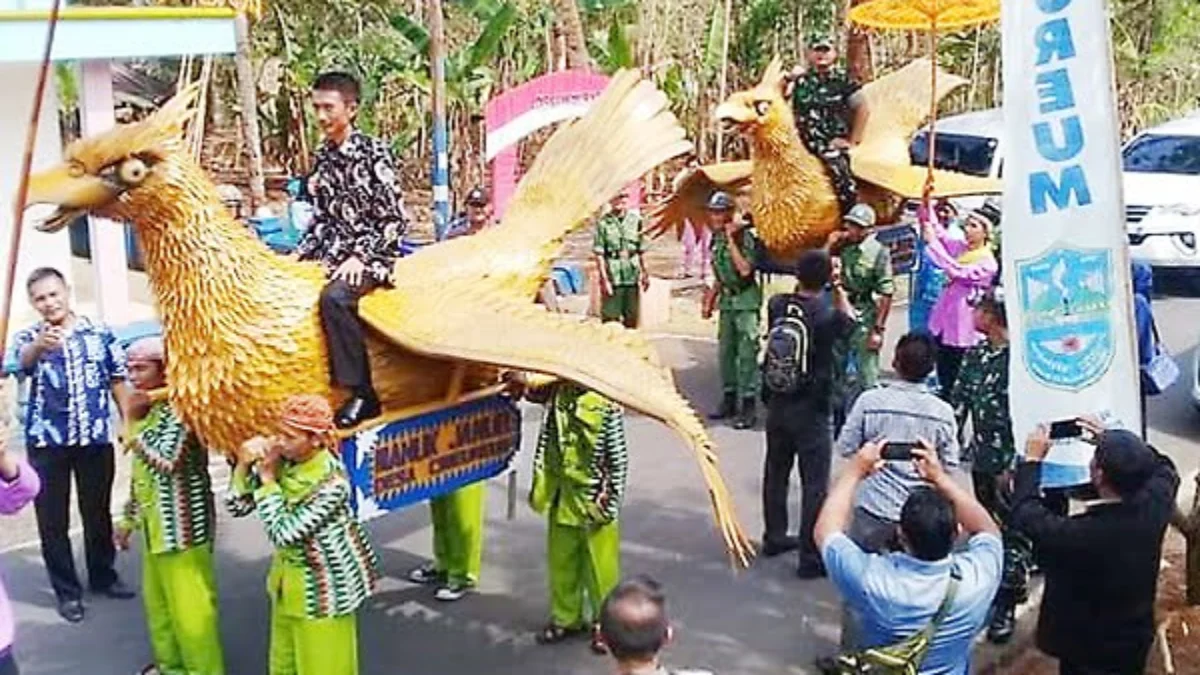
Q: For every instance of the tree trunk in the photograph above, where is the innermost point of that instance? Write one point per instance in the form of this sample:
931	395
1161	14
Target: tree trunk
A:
568	16
858	51
248	93
441	157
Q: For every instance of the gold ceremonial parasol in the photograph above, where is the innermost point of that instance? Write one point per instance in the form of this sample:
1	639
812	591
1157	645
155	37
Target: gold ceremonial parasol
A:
930	16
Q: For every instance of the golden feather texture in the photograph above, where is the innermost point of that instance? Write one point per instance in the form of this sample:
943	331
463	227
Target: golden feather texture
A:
241	325
791	196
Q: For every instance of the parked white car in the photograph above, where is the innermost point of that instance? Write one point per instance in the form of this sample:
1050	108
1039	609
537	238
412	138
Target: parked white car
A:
1161	178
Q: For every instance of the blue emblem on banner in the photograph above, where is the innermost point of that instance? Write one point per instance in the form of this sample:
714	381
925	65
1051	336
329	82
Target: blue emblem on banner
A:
1065	306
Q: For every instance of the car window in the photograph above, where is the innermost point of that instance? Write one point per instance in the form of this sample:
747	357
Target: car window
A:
1156	153
955	152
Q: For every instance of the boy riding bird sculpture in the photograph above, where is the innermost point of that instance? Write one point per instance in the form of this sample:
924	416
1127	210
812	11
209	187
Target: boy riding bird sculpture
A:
241	323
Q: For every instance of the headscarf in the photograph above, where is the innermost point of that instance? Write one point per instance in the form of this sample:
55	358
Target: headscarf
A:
146	350
308	412
1143	278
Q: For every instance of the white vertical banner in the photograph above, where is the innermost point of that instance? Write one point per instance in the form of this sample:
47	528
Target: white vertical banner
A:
1066	259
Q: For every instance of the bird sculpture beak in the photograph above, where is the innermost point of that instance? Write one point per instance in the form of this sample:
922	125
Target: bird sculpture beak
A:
74	192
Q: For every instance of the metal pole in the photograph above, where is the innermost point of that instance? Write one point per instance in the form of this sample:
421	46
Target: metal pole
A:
441	155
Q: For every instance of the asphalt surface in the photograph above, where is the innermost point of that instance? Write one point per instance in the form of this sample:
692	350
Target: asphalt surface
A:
759	621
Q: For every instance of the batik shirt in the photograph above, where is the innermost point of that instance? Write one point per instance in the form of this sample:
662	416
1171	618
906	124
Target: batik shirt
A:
822	105
582	460
324	565
981	391
69	394
357	207
170	495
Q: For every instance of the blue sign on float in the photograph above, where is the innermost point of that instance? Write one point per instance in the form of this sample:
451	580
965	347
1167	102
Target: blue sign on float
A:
410	460
1066	315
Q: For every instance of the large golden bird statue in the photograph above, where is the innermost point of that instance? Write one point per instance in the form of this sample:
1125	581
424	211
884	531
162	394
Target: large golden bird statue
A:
791	196
240	322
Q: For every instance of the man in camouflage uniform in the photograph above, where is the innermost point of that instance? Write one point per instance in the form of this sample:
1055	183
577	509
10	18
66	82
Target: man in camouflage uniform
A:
618	250
830	114
981	391
866	273
737	293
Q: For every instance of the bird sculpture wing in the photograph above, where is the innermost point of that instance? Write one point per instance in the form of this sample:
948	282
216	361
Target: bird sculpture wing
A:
471	299
690	194
899	105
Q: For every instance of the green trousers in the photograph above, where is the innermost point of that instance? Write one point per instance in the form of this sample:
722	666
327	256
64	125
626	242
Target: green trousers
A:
737	336
458	533
313	646
180	594
865	360
622	305
585	565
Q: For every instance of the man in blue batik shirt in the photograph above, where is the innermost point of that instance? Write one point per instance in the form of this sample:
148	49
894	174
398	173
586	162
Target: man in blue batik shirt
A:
73	364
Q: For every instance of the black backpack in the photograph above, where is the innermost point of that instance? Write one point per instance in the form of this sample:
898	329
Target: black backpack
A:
787	359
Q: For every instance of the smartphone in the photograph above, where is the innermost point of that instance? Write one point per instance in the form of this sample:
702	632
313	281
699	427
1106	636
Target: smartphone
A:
898	451
1065	429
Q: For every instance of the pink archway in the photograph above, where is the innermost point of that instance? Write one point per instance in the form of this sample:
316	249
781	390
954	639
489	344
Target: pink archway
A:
523	110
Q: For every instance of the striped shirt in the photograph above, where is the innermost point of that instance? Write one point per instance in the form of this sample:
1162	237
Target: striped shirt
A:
902	412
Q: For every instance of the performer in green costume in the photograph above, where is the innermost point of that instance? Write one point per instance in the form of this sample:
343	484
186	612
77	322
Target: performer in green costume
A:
324	566
579	473
457	542
171	506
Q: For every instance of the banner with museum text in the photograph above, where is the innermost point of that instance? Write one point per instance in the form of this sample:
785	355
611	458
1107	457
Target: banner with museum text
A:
1066	259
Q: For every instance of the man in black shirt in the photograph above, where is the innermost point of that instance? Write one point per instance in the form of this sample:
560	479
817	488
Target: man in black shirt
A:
798	423
1102	565
357	224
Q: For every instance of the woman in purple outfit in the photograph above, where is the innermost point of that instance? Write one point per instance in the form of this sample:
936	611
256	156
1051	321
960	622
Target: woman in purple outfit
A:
19	484
970	268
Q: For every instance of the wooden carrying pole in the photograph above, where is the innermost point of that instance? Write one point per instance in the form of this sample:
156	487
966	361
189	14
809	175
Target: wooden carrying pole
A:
18	221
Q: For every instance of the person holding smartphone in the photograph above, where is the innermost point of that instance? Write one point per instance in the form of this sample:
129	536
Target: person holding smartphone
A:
1101	566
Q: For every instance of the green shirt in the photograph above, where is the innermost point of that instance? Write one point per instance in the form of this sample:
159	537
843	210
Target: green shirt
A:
170	493
735	291
866	275
821	104
581	461
324	565
619	242
981	391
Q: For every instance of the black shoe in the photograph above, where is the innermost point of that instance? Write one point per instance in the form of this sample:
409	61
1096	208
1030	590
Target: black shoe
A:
728	408
1003	625
772	548
811	570
748	417
116	591
356	410
70	610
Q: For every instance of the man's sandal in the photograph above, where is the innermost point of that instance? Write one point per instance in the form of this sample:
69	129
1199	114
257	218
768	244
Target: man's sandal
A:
598	645
553	634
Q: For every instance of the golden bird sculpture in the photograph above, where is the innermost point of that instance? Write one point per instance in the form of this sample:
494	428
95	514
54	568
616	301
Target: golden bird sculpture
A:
241	324
792	199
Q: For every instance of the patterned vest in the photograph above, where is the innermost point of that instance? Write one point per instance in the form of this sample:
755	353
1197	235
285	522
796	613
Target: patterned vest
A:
581	463
324	565
170	495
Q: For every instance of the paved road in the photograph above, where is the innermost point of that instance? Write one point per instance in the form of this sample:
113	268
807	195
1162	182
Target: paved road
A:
757	622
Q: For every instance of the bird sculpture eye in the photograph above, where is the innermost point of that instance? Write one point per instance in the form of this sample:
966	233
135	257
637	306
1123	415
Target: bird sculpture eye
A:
762	107
132	171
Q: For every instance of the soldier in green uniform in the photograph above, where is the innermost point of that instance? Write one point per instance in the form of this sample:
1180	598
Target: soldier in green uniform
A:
866	273
736	292
618	250
830	113
981	392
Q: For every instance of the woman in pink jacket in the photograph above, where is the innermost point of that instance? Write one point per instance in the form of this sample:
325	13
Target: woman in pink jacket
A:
970	269
19	484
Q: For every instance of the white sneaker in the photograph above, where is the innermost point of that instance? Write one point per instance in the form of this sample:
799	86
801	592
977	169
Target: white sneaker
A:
451	592
425	574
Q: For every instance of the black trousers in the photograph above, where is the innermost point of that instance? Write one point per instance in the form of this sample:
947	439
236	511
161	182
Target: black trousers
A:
8	664
345	335
1067	668
92	467
796	432
949	360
